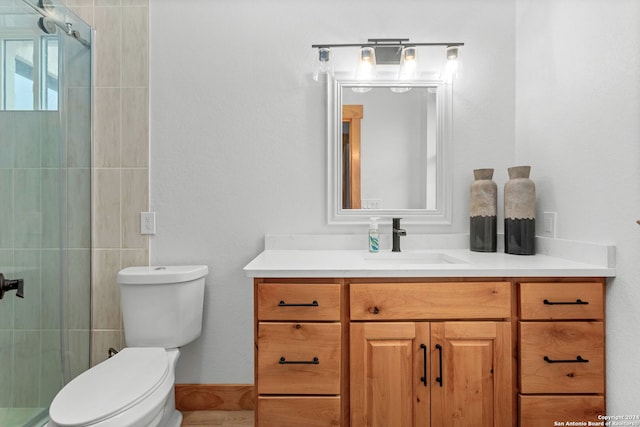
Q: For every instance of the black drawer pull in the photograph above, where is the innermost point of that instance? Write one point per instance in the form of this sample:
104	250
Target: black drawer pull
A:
578	359
284	304
284	361
577	302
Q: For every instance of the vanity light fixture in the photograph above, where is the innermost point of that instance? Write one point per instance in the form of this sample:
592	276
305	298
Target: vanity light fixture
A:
408	68
408	63
323	66
452	66
366	67
367	64
399	52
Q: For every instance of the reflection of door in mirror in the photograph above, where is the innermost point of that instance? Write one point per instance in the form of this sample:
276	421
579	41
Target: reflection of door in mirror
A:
351	117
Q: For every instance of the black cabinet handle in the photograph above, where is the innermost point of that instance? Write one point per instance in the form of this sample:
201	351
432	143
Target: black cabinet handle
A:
439	379
578	359
577	302
284	304
284	361
424	364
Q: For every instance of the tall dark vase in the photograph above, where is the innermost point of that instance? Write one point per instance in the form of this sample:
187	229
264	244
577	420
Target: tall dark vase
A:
519	212
483	212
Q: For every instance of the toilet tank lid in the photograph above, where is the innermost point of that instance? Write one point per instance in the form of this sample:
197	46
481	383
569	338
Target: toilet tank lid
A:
161	274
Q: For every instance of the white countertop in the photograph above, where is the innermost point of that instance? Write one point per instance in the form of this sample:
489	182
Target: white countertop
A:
577	259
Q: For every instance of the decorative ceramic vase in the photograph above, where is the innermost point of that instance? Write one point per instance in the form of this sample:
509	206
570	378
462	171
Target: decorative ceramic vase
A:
519	212
483	212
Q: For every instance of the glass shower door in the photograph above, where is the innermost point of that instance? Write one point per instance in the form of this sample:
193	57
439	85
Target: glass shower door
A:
45	175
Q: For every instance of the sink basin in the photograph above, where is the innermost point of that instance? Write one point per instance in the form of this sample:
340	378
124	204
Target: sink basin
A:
411	258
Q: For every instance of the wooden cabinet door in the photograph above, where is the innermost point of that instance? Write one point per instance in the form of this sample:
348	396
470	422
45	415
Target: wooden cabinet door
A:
471	379
389	385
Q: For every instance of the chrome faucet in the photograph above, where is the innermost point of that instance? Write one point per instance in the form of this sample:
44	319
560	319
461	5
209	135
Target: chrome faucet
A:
397	232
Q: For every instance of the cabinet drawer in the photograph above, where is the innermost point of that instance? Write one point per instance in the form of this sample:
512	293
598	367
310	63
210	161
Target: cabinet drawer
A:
286	353
293	301
297	411
562	343
416	301
545	410
564	301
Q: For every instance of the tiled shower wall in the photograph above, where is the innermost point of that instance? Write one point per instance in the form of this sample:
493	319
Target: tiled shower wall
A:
120	155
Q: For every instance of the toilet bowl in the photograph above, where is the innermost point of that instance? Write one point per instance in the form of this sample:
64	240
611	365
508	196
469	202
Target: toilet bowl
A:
162	310
132	388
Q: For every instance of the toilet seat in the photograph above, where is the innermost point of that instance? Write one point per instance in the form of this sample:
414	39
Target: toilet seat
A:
111	387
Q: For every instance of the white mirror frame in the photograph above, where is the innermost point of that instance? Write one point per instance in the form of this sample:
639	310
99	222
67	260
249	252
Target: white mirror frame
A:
443	212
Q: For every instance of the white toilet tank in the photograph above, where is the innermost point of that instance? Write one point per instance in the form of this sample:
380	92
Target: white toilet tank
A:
162	306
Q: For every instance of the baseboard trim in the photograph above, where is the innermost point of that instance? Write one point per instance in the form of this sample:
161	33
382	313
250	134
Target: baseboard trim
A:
221	397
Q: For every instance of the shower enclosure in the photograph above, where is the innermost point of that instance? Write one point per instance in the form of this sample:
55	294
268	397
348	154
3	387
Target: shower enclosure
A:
45	205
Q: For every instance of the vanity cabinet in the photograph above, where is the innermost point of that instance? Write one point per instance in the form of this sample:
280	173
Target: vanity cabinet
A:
561	341
431	370
367	352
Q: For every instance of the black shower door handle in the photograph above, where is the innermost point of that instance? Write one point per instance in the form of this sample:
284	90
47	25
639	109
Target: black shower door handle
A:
11	285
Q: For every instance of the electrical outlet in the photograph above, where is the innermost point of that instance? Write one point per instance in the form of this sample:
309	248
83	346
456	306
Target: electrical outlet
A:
147	223
549	224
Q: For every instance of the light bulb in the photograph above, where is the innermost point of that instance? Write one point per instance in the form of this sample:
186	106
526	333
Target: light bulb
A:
408	68
367	64
408	63
452	66
323	65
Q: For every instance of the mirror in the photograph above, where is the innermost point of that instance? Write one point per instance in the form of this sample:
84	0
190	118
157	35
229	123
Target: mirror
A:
389	151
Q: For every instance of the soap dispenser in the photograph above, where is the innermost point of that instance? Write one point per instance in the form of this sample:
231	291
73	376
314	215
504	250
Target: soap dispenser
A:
374	237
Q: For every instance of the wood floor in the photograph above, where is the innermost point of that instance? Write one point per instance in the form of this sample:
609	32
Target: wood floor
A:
217	418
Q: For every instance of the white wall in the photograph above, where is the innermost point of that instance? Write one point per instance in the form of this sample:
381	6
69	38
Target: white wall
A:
238	138
578	125
238	134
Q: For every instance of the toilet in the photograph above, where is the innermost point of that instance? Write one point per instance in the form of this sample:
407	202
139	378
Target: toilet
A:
162	311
